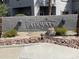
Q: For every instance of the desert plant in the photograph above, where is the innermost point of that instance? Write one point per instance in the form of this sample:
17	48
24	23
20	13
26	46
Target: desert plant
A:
60	31
10	33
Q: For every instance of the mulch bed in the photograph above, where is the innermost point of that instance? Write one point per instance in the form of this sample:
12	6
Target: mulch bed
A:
74	43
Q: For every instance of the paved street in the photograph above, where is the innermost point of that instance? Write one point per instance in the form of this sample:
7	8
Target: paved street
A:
39	51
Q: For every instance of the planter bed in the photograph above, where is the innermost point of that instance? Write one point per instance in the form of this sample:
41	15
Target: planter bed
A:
69	41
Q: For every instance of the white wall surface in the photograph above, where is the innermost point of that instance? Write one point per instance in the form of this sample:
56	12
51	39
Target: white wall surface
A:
38	3
61	6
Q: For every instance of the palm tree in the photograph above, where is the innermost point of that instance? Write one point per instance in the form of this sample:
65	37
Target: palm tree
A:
49	7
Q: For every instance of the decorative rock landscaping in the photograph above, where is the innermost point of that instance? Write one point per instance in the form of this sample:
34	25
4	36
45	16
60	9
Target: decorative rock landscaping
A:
69	41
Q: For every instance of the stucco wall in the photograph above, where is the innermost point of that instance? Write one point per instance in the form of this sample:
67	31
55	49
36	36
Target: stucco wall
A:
35	4
20	3
76	6
62	6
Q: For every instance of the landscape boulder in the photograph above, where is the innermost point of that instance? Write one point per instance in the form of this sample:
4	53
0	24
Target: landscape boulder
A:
50	32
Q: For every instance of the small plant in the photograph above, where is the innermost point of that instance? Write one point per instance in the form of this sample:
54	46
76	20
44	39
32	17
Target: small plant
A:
10	33
20	15
75	30
60	31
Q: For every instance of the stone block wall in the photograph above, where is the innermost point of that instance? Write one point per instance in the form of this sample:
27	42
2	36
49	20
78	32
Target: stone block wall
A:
38	23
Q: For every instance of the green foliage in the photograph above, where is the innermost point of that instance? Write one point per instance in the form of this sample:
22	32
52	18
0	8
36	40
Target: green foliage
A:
75	30
20	15
60	30
3	10
0	20
10	33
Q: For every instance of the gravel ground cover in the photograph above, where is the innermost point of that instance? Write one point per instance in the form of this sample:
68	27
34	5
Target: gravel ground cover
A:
69	41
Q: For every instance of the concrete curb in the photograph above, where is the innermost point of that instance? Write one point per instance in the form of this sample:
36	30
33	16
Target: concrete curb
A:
15	45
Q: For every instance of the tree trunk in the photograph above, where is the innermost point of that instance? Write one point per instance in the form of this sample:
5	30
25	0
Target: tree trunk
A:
0	27
78	25
49	7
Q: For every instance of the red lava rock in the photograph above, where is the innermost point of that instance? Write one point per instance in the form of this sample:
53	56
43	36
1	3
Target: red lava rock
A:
26	41
8	42
1	42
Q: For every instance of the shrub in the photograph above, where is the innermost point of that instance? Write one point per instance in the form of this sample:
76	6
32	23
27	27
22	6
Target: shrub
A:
74	30
10	33
60	30
20	15
3	10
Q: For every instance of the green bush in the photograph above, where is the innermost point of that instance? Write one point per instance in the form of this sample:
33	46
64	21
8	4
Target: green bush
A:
75	30
10	33
60	31
20	15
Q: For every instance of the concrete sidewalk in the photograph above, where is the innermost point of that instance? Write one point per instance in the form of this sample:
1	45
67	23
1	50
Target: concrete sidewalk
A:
39	51
49	51
10	53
